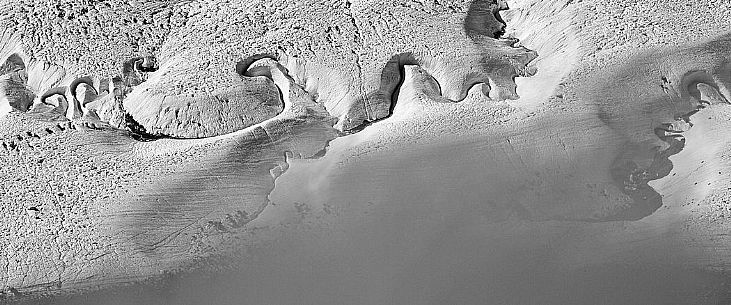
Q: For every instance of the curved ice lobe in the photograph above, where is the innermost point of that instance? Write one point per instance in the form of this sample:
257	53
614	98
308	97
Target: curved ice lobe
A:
467	50
494	62
199	111
71	101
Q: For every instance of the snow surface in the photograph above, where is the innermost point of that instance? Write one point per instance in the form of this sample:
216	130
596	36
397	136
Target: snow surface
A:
365	152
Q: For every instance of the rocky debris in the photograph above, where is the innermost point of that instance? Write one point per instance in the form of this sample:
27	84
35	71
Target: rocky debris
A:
12	64
610	28
186	85
33	212
135	71
146	64
14	93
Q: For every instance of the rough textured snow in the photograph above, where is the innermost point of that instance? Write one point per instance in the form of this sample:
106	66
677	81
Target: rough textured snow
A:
365	152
